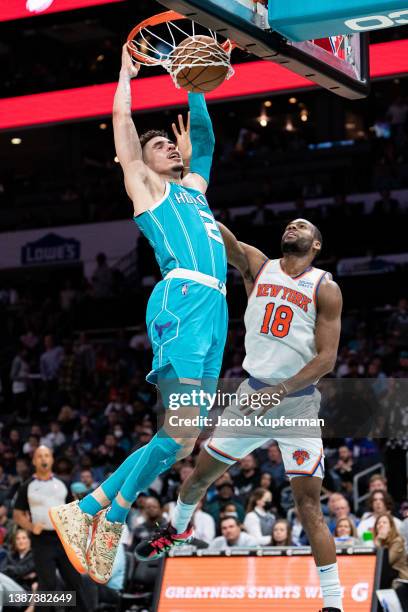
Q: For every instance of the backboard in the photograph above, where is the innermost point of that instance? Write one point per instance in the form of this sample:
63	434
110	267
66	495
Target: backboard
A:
338	63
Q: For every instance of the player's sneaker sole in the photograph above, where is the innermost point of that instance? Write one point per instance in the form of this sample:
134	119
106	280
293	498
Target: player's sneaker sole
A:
56	520
148	551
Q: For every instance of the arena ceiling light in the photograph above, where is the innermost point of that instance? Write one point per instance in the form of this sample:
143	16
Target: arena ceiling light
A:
18	9
251	79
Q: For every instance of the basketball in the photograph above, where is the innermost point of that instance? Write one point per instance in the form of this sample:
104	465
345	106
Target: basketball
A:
200	49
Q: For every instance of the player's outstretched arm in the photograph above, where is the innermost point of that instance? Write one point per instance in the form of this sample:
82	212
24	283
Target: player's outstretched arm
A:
127	142
202	142
244	257
327	337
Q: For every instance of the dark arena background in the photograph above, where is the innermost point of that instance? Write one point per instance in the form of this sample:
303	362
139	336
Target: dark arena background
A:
76	275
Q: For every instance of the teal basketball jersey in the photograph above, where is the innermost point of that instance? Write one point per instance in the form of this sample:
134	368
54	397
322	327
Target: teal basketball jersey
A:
183	233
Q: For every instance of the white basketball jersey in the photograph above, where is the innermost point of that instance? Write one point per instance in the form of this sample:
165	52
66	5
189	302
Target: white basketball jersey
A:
280	322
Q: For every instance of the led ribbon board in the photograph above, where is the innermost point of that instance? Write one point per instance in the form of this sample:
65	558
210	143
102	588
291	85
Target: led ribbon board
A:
298	20
17	9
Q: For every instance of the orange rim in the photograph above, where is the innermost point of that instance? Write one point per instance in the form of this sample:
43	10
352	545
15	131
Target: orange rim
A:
158	19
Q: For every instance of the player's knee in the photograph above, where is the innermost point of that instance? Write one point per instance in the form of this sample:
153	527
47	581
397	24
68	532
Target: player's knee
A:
309	510
186	447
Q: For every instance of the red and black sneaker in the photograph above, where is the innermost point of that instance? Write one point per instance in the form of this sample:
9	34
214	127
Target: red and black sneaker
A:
164	540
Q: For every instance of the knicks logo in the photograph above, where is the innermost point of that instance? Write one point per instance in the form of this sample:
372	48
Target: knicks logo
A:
300	456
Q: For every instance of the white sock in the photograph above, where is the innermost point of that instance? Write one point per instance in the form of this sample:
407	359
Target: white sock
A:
182	515
330	585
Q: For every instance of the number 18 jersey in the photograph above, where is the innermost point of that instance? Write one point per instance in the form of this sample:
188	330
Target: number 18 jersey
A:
280	322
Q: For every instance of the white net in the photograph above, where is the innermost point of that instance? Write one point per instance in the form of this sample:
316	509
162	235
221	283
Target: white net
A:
176	48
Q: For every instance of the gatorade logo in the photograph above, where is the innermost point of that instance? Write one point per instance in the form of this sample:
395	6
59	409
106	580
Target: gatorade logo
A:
378	22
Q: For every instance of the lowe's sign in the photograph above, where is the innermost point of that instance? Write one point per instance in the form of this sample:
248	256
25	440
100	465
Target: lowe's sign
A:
51	249
298	20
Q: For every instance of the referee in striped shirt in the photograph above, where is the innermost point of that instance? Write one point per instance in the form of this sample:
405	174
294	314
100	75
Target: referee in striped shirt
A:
34	498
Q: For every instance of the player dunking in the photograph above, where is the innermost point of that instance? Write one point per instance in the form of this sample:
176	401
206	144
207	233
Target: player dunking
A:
186	315
292	333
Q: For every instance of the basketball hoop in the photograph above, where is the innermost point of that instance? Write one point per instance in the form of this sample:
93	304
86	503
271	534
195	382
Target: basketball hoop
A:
155	42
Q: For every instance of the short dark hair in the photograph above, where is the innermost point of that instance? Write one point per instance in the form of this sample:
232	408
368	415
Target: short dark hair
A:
146	136
230	518
318	235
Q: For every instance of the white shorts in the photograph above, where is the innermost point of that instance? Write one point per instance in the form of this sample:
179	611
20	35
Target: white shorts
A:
293	425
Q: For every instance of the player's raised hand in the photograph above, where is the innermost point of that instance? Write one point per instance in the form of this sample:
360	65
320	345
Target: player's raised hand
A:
130	67
182	134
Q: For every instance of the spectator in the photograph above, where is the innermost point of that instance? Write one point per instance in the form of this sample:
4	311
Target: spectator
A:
6	524
109	454
78	490
339	508
344	468
19	563
55	438
86	357
67	296
67	420
232	535
345	532
281	533
398	324
20	377
378	503
50	360
299	537
102	278
204	525
118	405
4	480
225	495
386	536
153	519
377	482
68	373
31	445
248	477
259	519
274	465
404	526
14	440
229	509
266	481
87	479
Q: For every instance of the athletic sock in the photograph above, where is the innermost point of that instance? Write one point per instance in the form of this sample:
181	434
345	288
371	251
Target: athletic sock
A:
90	505
330	585
157	456
182	515
117	513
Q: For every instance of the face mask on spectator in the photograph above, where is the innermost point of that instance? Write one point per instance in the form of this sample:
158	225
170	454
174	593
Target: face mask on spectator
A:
118	433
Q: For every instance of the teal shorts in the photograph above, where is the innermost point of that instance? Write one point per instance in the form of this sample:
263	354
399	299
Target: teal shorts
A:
187	324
